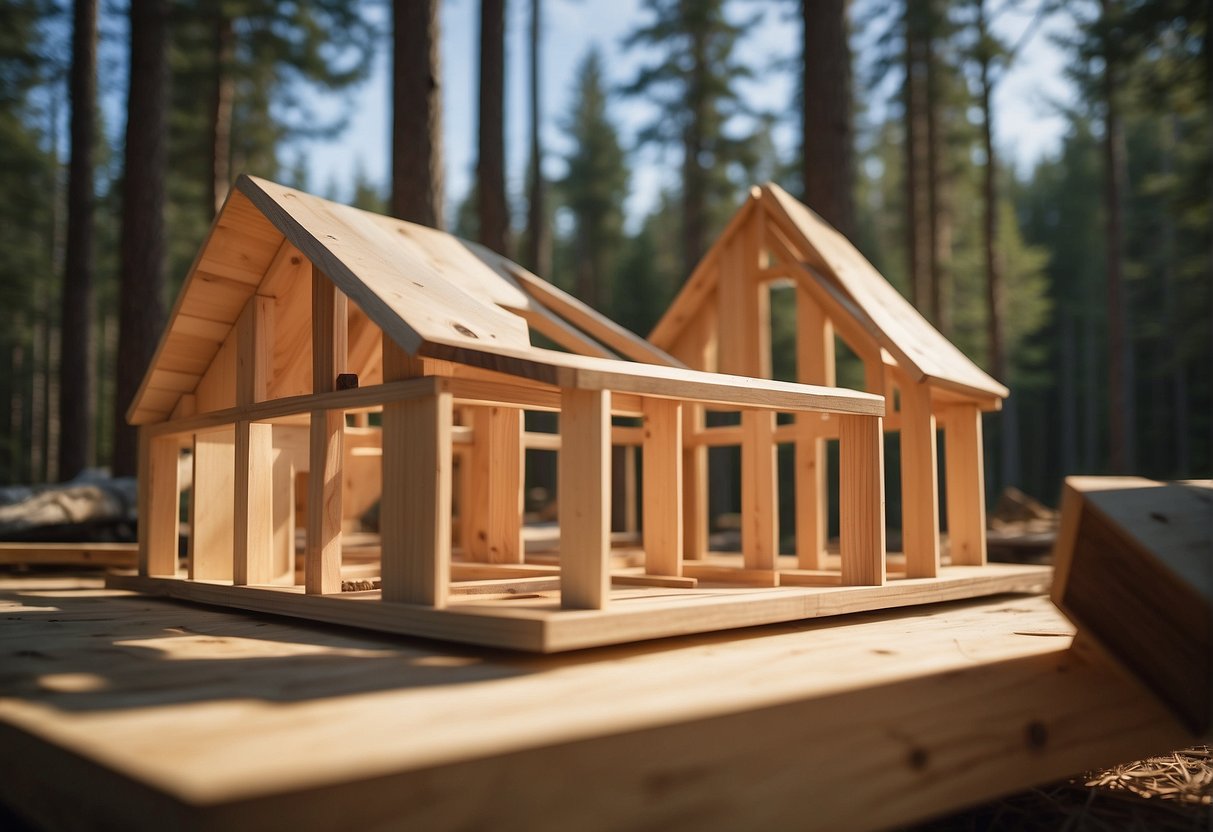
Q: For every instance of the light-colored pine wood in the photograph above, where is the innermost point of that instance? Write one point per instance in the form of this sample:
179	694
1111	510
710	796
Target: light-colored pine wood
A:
919	481
283	513
861	500
416	527
695	487
253	513
662	489
124	555
211	504
159	503
815	364
496	480
759	491
585	498
966	485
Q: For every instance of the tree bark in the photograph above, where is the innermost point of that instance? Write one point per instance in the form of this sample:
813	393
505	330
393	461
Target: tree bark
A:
694	185
492	206
918	232
223	99
76	365
827	137
140	304
1120	401
939	206
539	250
417	174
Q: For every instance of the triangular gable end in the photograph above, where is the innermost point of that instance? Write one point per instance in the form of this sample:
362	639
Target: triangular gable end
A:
427	290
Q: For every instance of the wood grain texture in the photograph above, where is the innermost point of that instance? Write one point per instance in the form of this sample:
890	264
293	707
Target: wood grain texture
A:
662	488
725	733
861	500
815	364
759	491
695	487
919	481
416	525
322	558
253	513
1135	573
585	498
966	485
211	505
496	473
159	503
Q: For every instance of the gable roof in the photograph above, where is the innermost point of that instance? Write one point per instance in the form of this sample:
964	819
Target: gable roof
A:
429	291
845	273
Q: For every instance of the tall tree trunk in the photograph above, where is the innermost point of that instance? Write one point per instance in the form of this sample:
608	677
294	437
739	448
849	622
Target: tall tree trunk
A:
539	249
492	207
417	175
938	187
827	138
1120	402
140	304
76	365
918	232
694	176
223	100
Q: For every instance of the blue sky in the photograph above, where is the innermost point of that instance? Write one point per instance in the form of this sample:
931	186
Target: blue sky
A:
1027	124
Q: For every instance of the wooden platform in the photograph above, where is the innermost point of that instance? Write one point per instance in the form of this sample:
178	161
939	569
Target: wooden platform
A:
70	554
523	619
122	711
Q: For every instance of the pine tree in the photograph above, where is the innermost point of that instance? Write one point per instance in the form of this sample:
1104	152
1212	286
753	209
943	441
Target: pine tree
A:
417	175
492	205
827	137
594	186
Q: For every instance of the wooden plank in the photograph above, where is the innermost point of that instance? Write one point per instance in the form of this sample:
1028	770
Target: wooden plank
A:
759	491
211	520
496	472
159	503
217	388
815	364
861	500
662	487
695	488
1135	573
125	555
966	485
417	483
322	562
735	311
563	333
283	513
919	481
253	511
585	497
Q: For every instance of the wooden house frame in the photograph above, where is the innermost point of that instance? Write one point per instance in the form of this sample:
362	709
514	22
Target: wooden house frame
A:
379	356
720	321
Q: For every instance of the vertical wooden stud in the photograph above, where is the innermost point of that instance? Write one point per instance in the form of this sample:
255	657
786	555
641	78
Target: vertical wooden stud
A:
815	364
415	511
211	521
253	510
919	481
694	487
159	502
662	491
861	499
495	490
330	316
965	485
759	490
283	512
585	496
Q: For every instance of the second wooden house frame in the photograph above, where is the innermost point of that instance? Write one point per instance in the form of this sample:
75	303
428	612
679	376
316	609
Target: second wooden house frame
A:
324	352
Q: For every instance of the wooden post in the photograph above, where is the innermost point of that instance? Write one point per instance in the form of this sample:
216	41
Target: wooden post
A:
283	512
254	449
694	488
159	503
861	499
815	364
662	491
415	511
211	521
494	510
759	490
322	564
585	496
965	485
919	481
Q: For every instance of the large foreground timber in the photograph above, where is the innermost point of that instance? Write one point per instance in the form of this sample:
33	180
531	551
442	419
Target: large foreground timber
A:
124	712
1135	571
70	554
